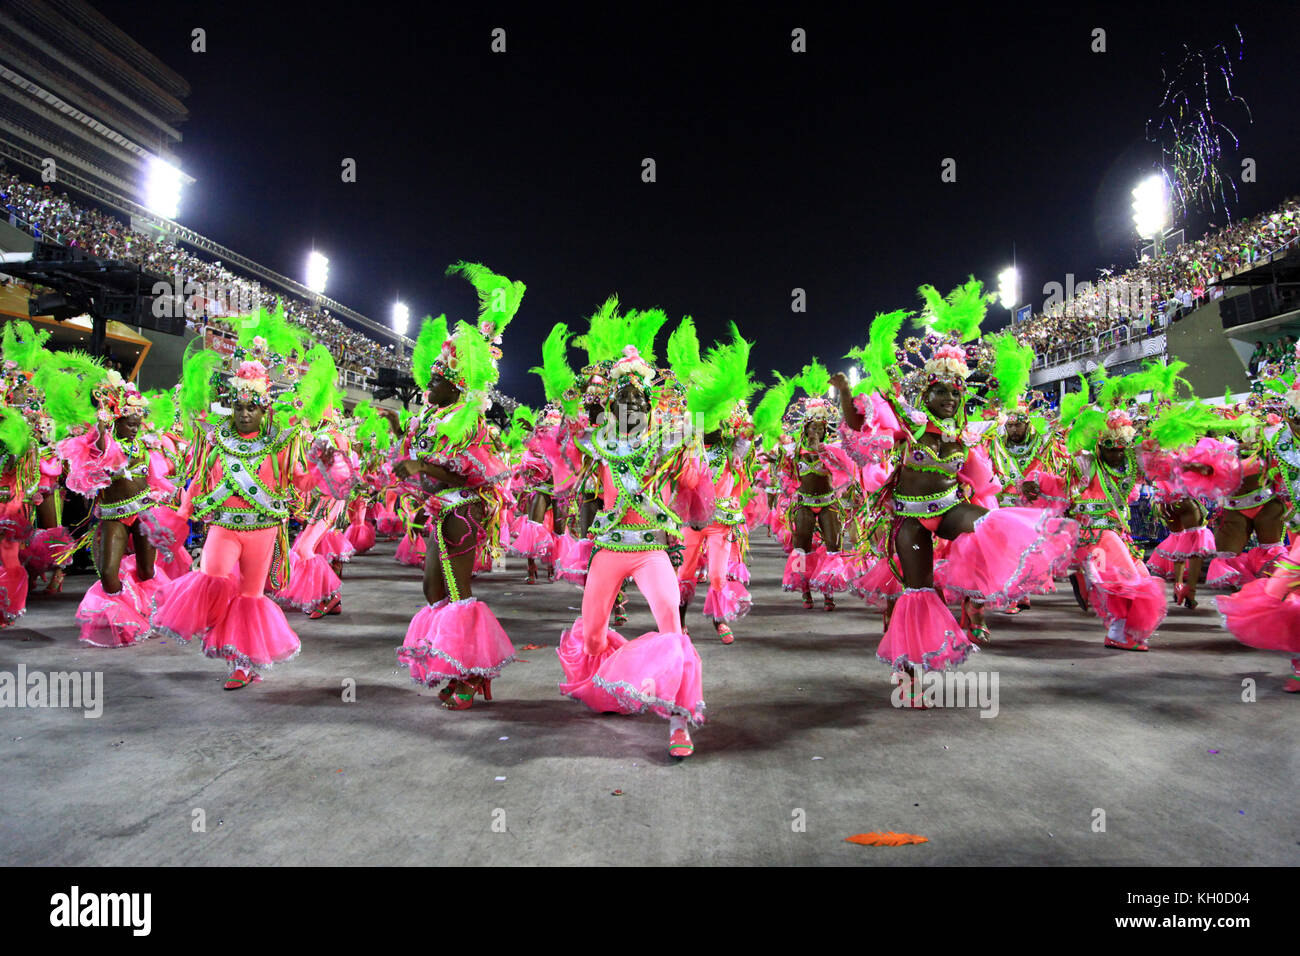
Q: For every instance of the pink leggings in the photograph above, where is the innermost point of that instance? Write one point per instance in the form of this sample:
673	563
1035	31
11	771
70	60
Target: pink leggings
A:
653	574
249	550
305	545
716	539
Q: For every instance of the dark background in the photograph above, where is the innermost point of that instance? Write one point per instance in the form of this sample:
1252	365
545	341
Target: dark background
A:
775	170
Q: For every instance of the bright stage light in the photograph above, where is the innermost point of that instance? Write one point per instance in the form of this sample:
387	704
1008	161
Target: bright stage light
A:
401	318
1151	207
162	188
318	272
1009	287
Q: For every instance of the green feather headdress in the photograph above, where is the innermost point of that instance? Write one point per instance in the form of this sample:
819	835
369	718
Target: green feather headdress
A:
522	422
282	338
198	369
958	315
684	349
720	382
24	346
609	332
375	433
428	348
67	383
161	416
314	394
558	379
1011	366
815	379
877	359
1180	425
770	411
498	297
15	433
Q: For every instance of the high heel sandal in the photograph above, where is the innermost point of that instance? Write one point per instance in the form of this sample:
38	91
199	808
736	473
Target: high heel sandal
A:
459	699
724	632
532	573
679	744
620	610
55	585
235	682
807	601
828	603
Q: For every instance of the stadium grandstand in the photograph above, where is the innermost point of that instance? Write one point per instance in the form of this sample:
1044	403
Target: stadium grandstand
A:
84	105
1170	304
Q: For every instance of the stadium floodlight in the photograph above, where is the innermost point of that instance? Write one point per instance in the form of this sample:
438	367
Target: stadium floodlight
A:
162	188
1009	287
401	318
1151	207
318	272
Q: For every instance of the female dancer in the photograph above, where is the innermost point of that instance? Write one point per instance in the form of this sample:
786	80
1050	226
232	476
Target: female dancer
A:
996	557
455	637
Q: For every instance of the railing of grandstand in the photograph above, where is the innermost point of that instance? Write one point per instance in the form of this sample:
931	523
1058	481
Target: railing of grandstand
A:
72	180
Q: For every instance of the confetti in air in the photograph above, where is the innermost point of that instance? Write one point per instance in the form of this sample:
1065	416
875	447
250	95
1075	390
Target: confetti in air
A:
1190	128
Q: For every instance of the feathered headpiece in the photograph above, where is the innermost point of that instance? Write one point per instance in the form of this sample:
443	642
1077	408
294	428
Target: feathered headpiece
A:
770	411
720	383
498	300
558	380
609	332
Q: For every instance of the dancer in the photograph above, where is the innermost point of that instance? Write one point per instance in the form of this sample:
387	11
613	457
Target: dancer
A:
246	465
637	456
995	557
455	637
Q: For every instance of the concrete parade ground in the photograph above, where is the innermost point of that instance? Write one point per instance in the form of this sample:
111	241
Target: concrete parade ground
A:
1086	755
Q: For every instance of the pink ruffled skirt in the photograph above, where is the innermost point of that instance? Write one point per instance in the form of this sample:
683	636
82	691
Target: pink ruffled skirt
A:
1181	546
410	551
572	565
361	537
923	634
1011	554
1120	588
832	572
250	632
13	594
333	546
533	540
659	672
40	555
1239	570
727	603
878	585
312	584
1256	618
459	640
800	569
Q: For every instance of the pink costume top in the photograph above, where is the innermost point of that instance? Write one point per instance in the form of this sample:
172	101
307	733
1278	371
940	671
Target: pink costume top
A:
97	458
472	458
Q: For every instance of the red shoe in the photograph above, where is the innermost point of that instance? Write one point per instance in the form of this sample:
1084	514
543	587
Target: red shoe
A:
462	696
679	744
828	603
241	678
724	632
1292	685
807	602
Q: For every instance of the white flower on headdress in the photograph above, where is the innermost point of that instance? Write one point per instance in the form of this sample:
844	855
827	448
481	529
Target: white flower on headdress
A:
1120	425
948	361
631	363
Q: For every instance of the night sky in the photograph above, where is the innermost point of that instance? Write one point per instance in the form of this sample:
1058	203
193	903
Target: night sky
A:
775	170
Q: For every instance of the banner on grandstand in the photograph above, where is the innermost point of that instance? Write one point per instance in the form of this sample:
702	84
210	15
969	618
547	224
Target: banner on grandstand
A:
219	341
1023	313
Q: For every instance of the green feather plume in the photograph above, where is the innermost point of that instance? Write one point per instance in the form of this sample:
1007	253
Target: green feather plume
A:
608	332
1181	425
1117	391
433	332
1011	366
556	375
24	345
877	358
720	382
375	433
315	391
474	357
197	370
815	379
1072	403
684	349
961	312
498	297
772	406
15	433
161	416
1086	430
67	383
282	337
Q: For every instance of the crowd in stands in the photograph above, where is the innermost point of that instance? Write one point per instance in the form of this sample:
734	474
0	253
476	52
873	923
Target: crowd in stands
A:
1146	298
53	217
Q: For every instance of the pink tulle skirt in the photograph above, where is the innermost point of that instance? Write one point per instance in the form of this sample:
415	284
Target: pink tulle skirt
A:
191	605
800	569
1255	618
878	585
832	572
1181	546
333	546
727	603
253	633
13	594
1238	571
410	551
572	567
737	570
312	584
167	532
39	556
1120	588
115	620
1011	554
388	524
459	640
923	633
360	536
533	540
659	672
